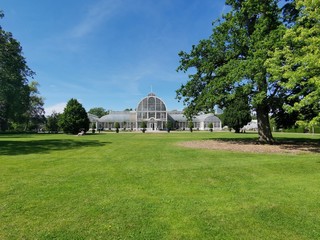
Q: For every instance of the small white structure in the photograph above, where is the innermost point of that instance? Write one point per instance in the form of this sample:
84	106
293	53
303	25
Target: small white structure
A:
251	126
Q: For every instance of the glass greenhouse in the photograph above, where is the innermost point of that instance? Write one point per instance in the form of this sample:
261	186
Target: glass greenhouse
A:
153	111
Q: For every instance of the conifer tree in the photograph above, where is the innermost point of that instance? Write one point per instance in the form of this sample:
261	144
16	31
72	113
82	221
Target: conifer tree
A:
74	118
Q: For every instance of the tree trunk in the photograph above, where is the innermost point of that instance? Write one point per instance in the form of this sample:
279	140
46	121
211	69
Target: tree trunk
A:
264	129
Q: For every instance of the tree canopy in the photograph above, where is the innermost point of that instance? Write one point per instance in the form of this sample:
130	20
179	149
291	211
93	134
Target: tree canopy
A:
14	74
74	118
21	106
296	61
35	115
237	113
52	123
236	57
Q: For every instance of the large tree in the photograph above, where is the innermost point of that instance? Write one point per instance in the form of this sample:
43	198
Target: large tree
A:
233	58
74	118
296	62
14	74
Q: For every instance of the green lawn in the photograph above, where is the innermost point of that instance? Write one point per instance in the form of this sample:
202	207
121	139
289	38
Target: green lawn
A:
143	186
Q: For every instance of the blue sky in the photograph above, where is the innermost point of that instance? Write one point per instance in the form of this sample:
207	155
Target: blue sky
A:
108	53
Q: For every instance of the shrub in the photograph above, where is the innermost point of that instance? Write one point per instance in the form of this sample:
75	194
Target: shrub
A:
117	126
143	126
190	126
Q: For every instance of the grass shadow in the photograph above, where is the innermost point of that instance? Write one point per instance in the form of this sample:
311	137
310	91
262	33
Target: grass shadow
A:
13	147
303	144
14	135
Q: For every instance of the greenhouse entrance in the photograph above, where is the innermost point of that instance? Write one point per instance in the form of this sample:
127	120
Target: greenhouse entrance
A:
152	124
155	125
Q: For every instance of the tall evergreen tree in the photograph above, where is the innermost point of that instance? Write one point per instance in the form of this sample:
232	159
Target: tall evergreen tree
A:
74	118
233	58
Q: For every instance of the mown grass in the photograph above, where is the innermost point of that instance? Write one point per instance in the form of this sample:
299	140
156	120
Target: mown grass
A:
143	186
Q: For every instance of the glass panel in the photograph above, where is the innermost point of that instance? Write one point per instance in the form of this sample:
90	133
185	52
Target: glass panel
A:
152	114
145	105
162	107
151	104
158	104
144	115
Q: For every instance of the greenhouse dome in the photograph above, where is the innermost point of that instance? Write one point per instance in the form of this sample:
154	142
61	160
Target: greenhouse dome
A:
153	111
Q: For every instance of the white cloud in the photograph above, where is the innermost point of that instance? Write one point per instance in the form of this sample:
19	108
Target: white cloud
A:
58	108
96	14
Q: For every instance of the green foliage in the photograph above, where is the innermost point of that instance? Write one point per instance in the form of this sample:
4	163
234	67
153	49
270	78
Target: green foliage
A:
35	114
190	126
295	130
74	118
237	114
169	125
232	59
143	125
52	124
14	74
296	62
117	126
98	111
33	118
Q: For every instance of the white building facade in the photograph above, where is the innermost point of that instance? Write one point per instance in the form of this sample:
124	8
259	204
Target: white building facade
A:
153	111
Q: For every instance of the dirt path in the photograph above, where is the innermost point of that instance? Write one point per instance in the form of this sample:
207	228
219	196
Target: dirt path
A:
242	146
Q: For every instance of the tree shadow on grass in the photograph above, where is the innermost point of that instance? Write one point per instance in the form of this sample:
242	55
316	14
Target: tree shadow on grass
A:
13	135
45	146
301	144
